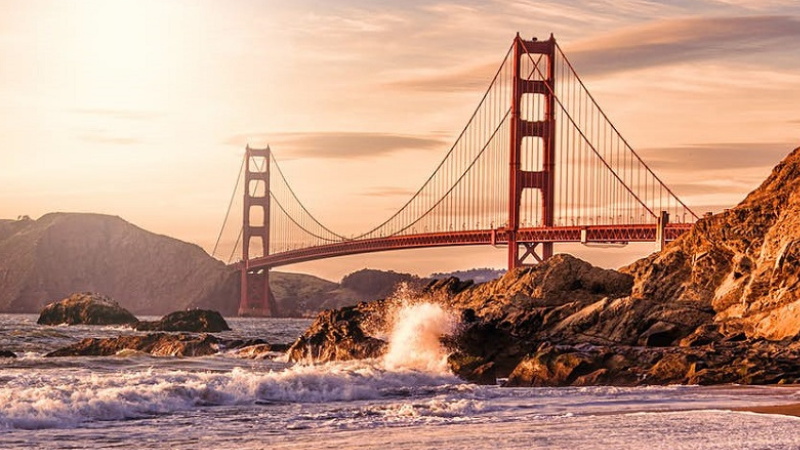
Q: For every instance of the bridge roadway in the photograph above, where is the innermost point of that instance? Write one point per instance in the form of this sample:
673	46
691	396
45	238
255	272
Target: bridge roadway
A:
598	234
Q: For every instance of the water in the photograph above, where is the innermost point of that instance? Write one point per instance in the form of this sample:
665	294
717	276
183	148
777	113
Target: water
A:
407	401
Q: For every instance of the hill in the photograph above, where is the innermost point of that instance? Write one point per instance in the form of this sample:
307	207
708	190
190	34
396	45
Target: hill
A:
149	274
62	253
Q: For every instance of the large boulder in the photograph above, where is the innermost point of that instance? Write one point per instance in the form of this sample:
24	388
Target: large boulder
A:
193	320
156	344
7	354
86	308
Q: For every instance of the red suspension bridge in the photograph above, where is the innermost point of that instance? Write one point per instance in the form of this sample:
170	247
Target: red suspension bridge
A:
537	163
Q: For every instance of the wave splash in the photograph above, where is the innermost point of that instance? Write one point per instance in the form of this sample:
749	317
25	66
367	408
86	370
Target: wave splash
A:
415	339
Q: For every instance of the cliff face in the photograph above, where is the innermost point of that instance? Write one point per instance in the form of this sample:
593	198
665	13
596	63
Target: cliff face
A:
743	263
62	253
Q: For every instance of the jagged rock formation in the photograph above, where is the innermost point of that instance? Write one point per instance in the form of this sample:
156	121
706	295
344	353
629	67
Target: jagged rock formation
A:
342	334
86	308
742	265
193	320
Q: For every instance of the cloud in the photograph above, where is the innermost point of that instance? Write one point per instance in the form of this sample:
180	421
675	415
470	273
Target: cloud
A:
464	79
388	192
719	156
683	40
338	145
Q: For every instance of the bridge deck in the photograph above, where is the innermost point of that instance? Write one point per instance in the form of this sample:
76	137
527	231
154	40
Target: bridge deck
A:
603	234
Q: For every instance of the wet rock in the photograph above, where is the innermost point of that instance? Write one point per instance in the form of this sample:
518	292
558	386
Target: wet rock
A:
7	354
86	308
555	366
342	334
473	369
156	344
672	368
193	320
261	351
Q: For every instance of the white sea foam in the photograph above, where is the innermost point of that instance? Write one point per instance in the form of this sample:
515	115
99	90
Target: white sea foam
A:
36	401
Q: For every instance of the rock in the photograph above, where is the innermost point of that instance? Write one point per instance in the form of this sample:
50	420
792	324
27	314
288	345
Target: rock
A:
156	344
554	366
341	334
193	320
704	335
261	351
742	265
7	354
672	368
86	309
472	369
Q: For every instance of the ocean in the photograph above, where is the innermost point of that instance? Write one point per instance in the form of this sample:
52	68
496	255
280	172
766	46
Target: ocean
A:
408	400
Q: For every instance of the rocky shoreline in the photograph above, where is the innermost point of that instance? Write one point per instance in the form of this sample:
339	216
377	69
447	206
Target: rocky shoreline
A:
721	304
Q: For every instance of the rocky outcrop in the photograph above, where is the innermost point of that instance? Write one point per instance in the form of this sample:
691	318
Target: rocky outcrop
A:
742	265
86	309
194	320
342	334
157	344
7	354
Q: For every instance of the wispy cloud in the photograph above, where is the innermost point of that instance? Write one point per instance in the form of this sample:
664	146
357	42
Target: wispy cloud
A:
716	156
388	192
464	79
684	40
338	145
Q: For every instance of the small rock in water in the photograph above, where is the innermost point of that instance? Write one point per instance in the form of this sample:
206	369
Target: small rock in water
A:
86	308
194	320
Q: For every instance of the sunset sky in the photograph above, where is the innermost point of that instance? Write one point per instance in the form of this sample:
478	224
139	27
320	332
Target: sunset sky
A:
142	108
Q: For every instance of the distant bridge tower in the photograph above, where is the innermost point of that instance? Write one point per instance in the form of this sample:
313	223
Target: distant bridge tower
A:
256	298
532	88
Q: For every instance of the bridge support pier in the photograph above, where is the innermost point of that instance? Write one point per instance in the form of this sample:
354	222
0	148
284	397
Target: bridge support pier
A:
661	231
534	89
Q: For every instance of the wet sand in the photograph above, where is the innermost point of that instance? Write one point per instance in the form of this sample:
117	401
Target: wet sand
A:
792	409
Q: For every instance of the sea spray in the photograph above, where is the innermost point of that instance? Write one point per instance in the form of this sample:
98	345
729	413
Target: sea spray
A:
415	337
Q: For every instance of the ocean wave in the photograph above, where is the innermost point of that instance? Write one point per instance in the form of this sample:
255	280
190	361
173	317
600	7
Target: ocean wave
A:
65	399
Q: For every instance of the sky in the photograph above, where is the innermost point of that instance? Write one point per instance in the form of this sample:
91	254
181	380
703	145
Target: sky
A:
142	108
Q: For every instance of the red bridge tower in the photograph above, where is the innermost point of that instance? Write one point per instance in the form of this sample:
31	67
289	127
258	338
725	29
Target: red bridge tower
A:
256	298
537	81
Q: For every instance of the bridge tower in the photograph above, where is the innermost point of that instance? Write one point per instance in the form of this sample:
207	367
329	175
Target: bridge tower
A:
532	86
256	297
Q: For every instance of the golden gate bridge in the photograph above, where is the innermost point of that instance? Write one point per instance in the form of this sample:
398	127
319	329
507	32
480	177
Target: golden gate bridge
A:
537	163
